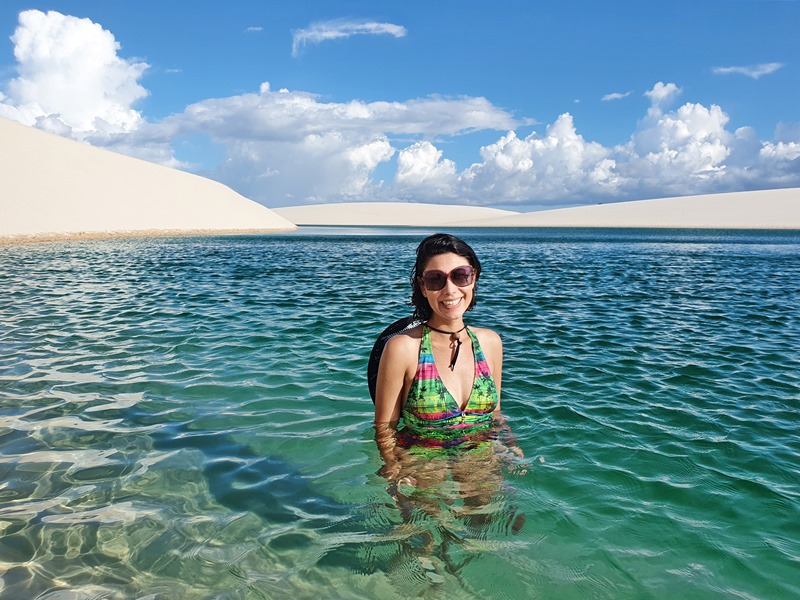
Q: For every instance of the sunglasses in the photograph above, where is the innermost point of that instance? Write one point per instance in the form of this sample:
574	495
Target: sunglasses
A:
436	280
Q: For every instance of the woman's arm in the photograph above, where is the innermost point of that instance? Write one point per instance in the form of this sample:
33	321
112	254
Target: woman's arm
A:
389	387
492	346
493	350
392	375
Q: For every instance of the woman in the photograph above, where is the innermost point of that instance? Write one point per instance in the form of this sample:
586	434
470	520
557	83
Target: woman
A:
442	377
443	380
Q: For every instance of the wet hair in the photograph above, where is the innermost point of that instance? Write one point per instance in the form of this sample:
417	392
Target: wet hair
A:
439	243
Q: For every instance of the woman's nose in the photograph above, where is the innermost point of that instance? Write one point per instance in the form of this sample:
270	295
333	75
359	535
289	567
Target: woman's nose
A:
449	286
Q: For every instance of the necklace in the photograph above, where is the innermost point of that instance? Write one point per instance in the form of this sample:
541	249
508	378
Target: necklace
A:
453	337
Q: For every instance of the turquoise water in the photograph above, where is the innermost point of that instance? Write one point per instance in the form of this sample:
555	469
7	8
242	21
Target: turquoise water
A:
189	418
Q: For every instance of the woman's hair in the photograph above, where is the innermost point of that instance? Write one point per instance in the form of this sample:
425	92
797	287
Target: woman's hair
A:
439	243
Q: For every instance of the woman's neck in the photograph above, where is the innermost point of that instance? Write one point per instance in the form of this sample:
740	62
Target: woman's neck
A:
449	325
453	334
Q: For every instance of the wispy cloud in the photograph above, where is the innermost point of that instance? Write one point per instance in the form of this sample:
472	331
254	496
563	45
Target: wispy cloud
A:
754	71
333	30
254	29
615	96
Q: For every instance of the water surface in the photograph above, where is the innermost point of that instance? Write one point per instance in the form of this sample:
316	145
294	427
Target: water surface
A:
189	418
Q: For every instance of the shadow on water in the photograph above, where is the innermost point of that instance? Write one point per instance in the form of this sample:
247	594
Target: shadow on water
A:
244	481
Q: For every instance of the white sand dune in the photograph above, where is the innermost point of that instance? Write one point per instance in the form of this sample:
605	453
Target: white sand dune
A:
769	209
396	214
52	188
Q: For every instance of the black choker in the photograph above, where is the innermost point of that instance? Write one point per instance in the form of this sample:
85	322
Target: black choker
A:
457	340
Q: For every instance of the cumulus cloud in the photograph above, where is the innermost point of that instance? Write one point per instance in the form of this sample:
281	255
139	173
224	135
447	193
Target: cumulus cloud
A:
315	168
789	151
688	150
291	147
421	167
752	71
661	97
339	29
70	77
285	114
680	150
556	165
72	82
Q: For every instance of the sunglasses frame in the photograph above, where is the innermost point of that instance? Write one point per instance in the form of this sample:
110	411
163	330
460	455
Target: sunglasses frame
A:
470	277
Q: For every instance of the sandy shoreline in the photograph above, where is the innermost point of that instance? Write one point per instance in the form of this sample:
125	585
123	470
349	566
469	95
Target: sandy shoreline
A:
107	235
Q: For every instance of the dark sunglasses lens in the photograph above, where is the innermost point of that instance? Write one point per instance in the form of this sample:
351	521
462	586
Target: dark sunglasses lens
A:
461	276
434	280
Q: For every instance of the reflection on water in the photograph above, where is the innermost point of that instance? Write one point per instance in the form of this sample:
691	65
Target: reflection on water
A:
190	418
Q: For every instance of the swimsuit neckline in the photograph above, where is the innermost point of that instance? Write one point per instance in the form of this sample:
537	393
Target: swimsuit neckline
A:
456	403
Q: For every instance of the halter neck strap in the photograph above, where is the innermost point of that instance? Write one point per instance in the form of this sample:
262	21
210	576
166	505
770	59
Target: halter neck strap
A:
453	336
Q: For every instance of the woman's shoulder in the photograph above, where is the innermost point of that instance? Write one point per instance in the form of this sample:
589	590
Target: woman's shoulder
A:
488	338
404	341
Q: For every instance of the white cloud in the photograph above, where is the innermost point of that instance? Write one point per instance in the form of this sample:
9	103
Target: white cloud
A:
558	165
421	167
339	29
788	151
680	152
254	29
317	168
615	96
683	151
661	96
70	77
362	161
753	71
293	115
313	150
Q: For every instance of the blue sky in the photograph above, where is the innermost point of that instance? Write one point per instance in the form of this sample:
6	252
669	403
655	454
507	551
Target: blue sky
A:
520	105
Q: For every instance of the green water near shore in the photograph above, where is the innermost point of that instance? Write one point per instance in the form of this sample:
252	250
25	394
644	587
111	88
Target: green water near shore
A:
190	418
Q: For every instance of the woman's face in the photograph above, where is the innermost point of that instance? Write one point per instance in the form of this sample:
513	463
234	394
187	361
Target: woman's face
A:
451	302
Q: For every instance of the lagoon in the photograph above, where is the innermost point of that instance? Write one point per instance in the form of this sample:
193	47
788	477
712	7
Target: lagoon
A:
189	418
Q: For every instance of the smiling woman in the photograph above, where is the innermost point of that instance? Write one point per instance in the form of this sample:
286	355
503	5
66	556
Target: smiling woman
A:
441	380
467	392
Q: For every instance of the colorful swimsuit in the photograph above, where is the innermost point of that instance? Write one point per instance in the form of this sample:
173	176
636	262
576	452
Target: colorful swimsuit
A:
432	415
